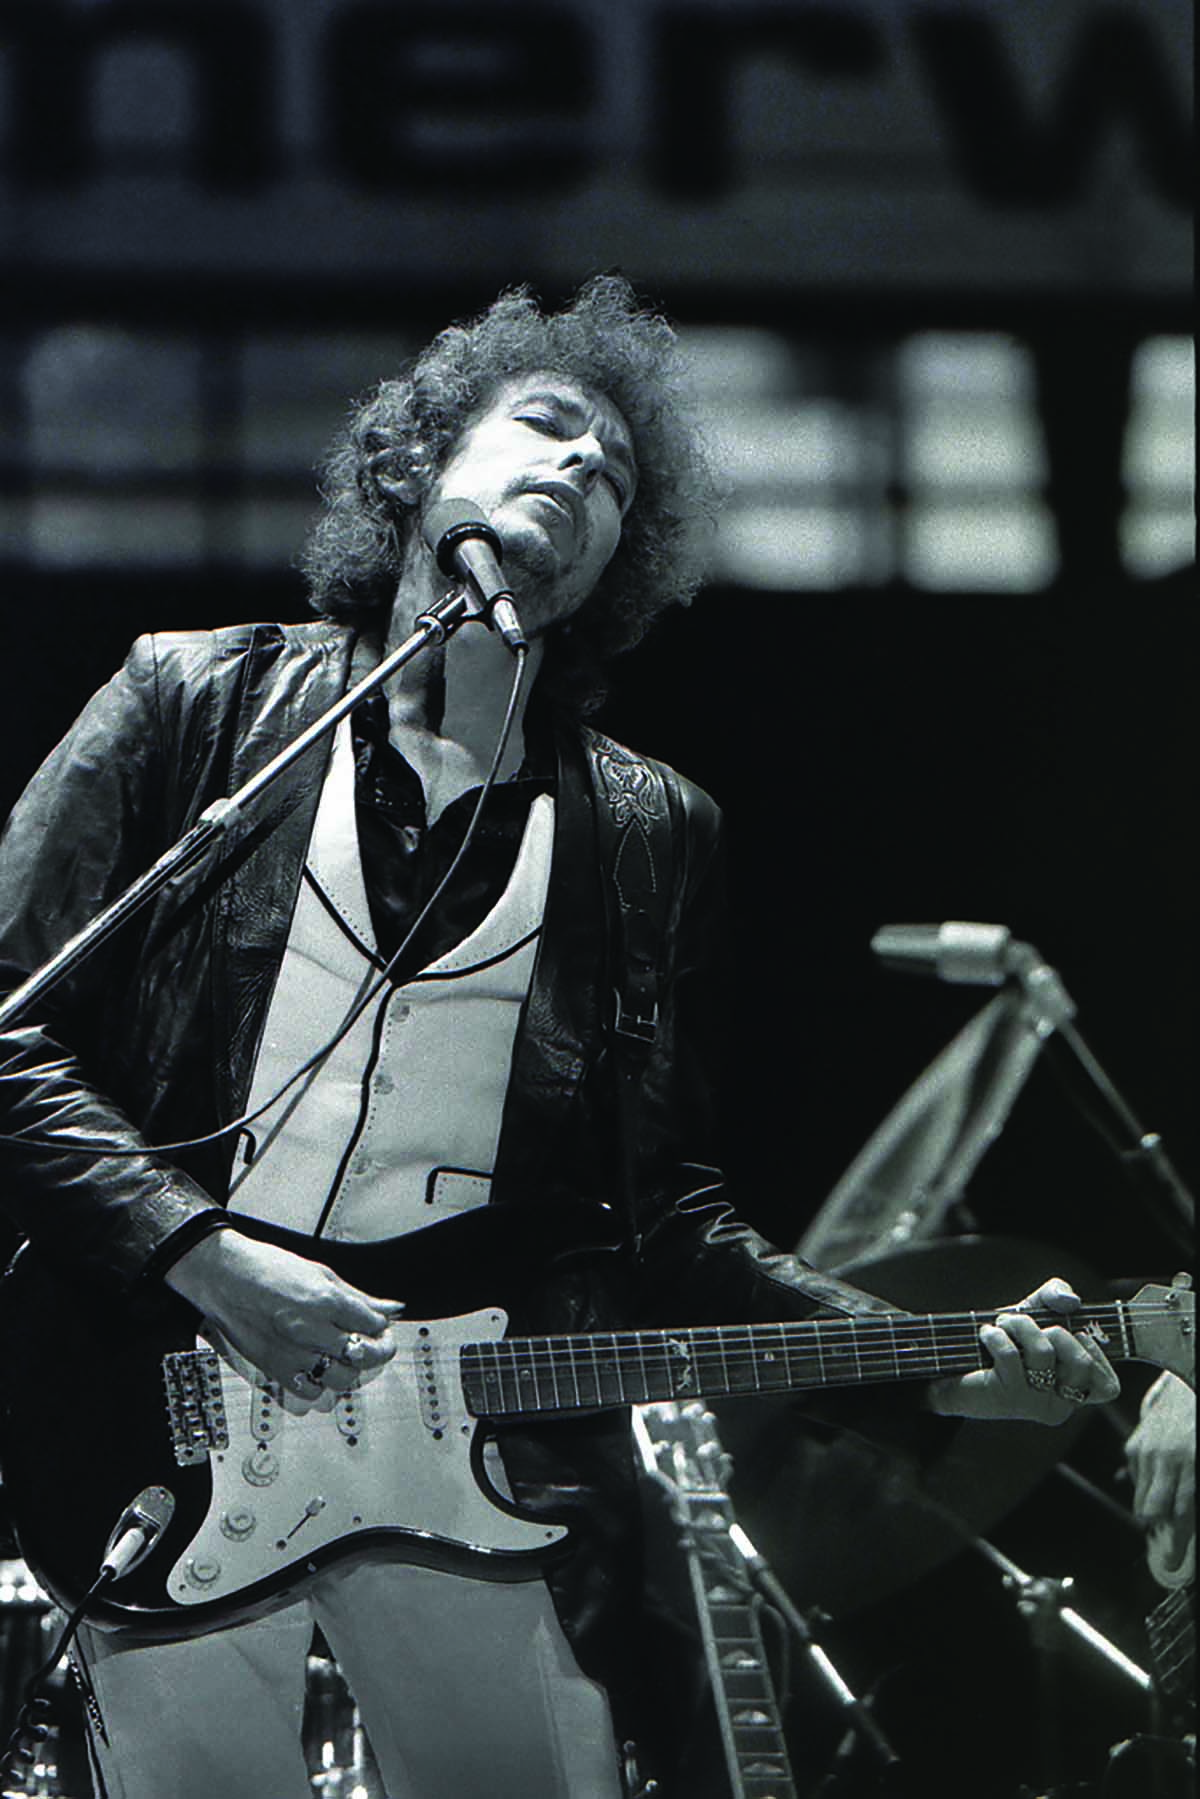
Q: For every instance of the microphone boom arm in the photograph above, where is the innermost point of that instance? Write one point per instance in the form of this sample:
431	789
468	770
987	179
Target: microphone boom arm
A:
987	955
221	822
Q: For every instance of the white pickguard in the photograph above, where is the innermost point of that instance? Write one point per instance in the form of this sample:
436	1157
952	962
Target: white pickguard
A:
297	1478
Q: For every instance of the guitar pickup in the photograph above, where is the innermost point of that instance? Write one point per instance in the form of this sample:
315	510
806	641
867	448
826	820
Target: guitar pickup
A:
195	1404
429	1395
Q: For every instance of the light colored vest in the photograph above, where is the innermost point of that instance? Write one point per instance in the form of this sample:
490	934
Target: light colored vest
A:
400	1123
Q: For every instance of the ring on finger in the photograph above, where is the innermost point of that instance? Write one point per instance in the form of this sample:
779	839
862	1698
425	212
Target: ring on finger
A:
352	1349
319	1369
1041	1378
1076	1395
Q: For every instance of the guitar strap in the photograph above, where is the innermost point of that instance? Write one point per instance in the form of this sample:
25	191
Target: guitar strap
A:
633	825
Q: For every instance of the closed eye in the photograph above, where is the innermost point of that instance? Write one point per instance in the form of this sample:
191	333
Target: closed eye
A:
542	421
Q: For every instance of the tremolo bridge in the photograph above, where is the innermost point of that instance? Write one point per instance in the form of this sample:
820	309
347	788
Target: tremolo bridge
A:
195	1404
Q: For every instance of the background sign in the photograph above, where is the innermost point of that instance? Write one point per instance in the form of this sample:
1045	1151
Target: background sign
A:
1018	146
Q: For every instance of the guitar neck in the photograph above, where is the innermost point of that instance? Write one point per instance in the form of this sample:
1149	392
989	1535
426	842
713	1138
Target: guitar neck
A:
525	1376
681	1448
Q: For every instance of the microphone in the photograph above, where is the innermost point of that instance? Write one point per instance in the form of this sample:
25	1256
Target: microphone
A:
137	1530
971	954
467	546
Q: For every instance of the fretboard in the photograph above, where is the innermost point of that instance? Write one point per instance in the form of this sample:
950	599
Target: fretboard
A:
525	1376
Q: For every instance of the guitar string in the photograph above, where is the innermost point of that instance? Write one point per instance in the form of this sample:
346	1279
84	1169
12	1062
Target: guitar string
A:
934	1332
631	1356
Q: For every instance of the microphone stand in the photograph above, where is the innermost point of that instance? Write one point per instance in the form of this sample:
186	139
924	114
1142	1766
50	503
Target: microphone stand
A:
222	822
858	1717
1137	1149
986	955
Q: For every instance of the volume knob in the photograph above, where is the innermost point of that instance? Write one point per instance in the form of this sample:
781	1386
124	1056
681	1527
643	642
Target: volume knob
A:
261	1467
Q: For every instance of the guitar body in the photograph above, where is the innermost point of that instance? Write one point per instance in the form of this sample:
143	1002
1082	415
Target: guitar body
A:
395	1466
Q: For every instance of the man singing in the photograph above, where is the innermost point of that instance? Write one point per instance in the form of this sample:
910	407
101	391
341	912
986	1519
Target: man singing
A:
502	1018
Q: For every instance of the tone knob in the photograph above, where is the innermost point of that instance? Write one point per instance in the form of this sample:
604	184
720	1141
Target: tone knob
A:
238	1522
202	1570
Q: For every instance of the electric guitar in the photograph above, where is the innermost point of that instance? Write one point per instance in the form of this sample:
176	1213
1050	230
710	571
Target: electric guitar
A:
683	1453
269	1490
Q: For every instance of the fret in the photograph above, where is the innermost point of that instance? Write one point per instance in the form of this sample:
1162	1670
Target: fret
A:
587	1379
1103	1323
1120	1311
771	1358
641	1373
957	1348
629	1369
527	1362
576	1390
556	1359
657	1362
606	1357
741	1373
805	1365
723	1385
839	1351
915	1349
500	1378
712	1367
681	1365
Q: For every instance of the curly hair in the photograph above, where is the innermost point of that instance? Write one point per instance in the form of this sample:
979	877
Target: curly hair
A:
397	439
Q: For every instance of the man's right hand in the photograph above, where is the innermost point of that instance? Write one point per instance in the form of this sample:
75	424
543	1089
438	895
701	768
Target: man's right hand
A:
285	1314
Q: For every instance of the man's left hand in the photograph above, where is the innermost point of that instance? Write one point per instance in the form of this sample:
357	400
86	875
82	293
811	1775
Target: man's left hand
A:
1040	1371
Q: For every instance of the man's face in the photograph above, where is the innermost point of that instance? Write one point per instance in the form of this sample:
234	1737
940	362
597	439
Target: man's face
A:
551	463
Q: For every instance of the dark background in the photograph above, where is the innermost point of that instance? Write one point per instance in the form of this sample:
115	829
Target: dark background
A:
882	754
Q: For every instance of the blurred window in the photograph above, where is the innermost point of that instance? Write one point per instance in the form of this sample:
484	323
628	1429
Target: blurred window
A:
929	465
1158	528
972	465
845	465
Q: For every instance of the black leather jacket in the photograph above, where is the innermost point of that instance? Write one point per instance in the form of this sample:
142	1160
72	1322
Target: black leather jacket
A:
154	1039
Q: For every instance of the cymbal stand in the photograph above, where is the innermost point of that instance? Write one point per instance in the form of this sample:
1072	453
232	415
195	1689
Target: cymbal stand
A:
1041	1601
858	1717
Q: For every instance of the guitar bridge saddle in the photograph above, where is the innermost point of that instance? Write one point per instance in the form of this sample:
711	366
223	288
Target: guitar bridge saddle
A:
195	1404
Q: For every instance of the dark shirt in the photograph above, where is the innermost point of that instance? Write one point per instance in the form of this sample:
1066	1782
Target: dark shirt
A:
404	857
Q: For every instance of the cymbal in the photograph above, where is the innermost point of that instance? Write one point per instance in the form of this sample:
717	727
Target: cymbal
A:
848	1520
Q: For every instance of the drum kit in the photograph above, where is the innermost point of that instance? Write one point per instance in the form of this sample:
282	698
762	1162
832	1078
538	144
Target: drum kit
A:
837	1526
